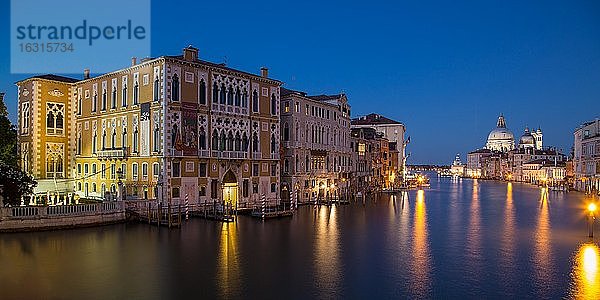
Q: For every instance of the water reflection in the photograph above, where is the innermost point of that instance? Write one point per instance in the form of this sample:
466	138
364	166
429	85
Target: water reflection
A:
327	266
420	254
585	278
542	259
228	267
508	237
473	259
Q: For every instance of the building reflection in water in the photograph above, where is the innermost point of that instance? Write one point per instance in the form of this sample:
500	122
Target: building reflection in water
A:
473	255
542	257
228	266
327	265
508	236
585	278
420	278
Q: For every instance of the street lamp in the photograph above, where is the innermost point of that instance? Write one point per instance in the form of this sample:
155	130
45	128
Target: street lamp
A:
591	209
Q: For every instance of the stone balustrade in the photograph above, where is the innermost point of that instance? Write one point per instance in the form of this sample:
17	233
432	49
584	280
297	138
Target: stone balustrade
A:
26	218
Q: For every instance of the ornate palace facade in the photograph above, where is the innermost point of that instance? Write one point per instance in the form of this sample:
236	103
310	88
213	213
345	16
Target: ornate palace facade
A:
166	128
316	144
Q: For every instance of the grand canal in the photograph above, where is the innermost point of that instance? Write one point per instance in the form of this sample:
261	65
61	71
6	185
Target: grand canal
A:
460	238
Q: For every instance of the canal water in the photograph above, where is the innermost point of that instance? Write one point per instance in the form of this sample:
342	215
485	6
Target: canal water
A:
459	239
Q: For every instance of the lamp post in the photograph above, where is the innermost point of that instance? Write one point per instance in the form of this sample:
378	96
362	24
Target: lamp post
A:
120	184
591	209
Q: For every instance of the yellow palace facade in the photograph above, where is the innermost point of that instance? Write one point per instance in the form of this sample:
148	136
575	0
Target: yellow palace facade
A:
167	128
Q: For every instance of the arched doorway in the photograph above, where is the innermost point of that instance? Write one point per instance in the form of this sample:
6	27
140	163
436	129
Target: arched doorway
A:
230	188
285	193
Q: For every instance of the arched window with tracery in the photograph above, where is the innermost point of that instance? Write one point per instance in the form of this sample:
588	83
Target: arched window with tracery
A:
286	132
255	143
202	92
223	94
255	101
230	96
215	140
230	141
202	139
175	88
215	93
273	105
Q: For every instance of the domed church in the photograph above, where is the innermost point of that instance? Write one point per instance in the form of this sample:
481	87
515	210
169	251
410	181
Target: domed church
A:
500	139
531	139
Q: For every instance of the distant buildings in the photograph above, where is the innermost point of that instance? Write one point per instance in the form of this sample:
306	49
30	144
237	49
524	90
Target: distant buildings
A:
458	168
528	161
392	130
586	157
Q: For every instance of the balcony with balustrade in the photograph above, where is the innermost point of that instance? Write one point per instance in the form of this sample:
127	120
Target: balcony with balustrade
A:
115	153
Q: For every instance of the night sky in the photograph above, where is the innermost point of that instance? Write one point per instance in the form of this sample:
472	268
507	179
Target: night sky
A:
446	70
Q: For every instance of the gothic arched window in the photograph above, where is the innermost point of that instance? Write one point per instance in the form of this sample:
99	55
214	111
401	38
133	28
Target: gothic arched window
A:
175	88
245	142
215	93
223	141
230	96
202	92
223	94
215	140
113	100
136	93
238	142
202	137
255	143
124	138
273	105
286	132
230	141
273	144
255	101
245	99
237	97
156	89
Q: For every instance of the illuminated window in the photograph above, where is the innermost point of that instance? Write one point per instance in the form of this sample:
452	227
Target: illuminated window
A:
55	113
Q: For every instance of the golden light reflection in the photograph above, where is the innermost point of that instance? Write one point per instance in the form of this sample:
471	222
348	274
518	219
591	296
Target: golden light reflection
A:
327	260
586	282
508	236
421	264
228	265
542	247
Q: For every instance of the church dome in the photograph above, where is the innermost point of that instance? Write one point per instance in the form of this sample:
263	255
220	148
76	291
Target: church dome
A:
500	134
500	139
527	139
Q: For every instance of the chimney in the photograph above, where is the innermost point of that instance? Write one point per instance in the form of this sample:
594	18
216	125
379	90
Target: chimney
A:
264	72
86	73
133	61
190	53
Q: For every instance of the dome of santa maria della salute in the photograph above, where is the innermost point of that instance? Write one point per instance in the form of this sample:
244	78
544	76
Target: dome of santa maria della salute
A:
500	139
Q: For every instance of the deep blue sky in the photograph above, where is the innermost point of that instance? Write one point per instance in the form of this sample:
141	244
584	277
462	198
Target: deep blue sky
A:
444	69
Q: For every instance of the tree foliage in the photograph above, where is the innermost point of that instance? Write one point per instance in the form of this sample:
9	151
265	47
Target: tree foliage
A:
14	182
8	137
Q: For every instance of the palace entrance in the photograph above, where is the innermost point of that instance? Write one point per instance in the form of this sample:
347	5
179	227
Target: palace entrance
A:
230	188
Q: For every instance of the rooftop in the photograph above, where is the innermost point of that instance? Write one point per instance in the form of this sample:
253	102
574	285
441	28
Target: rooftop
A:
373	119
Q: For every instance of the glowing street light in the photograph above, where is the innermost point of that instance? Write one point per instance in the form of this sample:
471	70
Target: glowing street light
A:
591	209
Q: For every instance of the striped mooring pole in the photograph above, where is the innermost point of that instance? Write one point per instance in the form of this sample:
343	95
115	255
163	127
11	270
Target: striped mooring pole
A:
187	208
